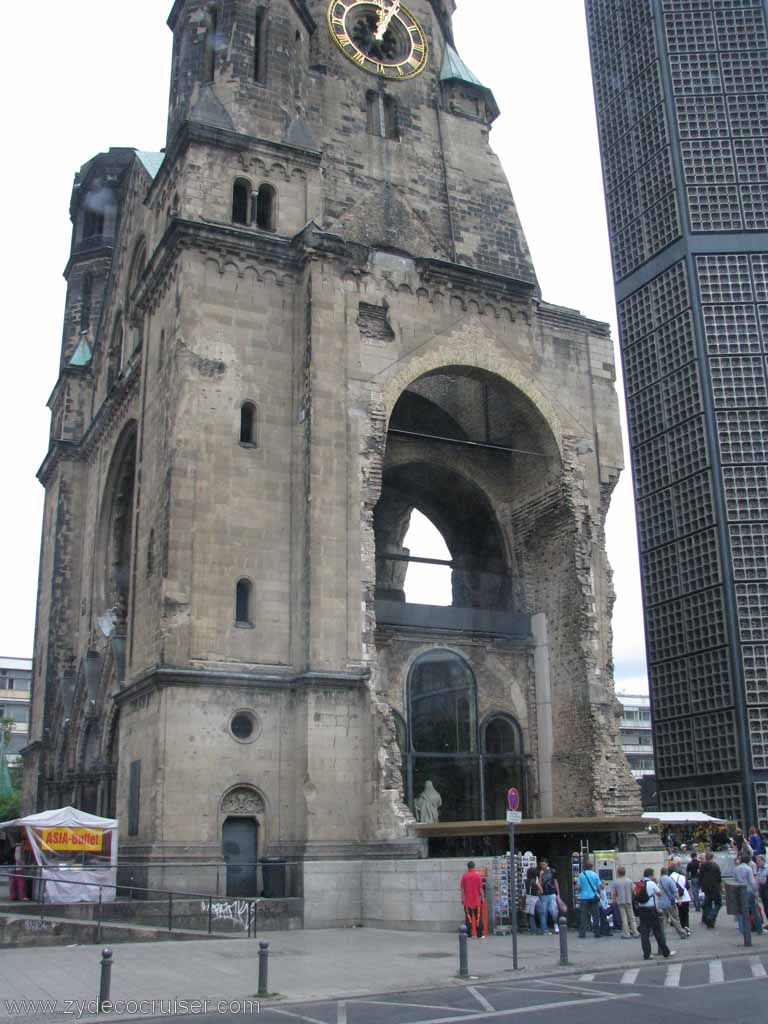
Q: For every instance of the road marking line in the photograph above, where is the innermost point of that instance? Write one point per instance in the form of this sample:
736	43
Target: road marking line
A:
420	1006
629	977
587	977
298	1016
480	998
527	1009
758	971
341	1013
672	979
716	972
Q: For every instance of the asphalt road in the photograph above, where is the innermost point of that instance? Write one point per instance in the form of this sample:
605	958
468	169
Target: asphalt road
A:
733	989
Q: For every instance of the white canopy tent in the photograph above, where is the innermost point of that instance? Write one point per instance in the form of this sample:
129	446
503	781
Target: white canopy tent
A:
681	818
72	848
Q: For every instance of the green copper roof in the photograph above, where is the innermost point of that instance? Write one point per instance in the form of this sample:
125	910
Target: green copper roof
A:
454	69
151	161
82	354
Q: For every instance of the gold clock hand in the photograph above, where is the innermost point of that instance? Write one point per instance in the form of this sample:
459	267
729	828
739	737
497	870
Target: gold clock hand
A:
384	22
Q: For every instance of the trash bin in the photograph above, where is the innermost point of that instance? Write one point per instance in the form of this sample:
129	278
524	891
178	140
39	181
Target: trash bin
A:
273	878
732	905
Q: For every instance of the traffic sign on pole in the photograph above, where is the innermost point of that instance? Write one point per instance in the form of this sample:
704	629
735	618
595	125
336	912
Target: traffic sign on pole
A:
513	800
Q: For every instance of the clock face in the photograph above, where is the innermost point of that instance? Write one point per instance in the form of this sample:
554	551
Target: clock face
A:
380	36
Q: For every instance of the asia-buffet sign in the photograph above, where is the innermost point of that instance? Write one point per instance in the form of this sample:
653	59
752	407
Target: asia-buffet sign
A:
71	840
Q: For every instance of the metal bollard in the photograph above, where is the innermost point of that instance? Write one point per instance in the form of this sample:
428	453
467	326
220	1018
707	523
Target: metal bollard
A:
563	926
744	912
106	976
263	968
463	957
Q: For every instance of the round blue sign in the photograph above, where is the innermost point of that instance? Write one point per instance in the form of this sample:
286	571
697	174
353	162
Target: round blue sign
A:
513	800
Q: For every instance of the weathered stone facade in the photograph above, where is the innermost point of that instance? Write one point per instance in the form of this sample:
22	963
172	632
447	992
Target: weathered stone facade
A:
281	336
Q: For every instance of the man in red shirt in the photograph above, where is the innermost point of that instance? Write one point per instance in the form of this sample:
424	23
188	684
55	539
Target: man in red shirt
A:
472	898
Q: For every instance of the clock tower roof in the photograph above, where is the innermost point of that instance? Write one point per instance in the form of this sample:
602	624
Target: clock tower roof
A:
455	70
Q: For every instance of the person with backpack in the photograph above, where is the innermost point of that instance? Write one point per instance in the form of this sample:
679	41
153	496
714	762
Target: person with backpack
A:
668	902
711	885
588	884
683	897
646	895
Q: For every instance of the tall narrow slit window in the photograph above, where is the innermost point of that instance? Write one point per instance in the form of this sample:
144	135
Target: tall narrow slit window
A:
241	199
243	603
248	424
260	46
265	204
382	115
209	46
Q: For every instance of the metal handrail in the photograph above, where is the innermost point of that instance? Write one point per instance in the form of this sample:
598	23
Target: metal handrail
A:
251	901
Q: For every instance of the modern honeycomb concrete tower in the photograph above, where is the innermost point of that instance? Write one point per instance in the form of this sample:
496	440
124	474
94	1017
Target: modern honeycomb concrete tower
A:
314	313
682	108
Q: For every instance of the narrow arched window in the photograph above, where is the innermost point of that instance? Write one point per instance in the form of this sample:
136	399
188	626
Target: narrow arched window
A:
209	46
382	115
241	198
503	764
248	423
260	46
93	223
266	201
390	118
243	602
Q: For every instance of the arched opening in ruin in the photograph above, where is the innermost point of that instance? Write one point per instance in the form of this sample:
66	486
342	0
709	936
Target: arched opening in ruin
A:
464	447
116	536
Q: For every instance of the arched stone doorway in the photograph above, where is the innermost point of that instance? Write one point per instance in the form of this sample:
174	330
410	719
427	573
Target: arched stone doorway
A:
242	811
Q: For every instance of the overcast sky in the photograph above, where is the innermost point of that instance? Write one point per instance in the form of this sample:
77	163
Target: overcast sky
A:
97	76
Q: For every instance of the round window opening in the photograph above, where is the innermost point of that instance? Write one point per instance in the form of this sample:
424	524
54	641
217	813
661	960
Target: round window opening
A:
244	726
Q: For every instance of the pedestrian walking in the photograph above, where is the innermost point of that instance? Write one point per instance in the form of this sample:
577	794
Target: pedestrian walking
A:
621	893
756	841
550	894
472	899
683	897
762	882
532	896
711	885
745	875
692	875
588	883
668	902
647	894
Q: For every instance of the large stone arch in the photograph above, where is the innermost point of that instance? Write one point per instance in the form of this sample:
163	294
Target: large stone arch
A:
479	353
114	550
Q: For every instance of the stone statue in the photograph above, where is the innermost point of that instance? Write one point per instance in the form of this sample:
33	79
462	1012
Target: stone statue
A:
427	805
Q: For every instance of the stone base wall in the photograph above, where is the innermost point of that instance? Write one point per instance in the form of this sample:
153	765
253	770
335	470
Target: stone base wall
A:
414	895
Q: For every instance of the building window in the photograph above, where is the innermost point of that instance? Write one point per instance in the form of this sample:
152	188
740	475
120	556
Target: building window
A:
448	773
134	797
9	683
382	115
248	424
264	213
243	603
260	46
93	224
209	46
241	198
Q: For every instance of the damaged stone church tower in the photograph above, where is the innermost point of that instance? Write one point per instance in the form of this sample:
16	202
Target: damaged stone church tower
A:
313	314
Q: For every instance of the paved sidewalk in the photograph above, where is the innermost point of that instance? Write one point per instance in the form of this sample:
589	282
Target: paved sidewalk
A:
313	965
